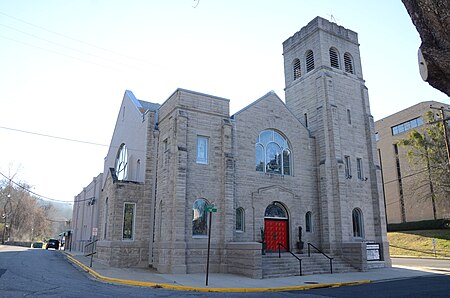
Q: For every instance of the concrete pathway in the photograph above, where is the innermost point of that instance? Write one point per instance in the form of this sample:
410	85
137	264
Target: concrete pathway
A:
219	282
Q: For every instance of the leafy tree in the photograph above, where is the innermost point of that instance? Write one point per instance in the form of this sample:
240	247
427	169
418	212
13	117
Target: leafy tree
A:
427	153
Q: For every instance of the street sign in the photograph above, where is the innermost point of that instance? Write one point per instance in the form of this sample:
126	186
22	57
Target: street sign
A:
211	208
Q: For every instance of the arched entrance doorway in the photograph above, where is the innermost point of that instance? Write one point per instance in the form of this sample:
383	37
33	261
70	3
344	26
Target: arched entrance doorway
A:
276	225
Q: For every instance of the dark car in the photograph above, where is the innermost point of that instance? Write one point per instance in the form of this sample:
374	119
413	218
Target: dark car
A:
52	243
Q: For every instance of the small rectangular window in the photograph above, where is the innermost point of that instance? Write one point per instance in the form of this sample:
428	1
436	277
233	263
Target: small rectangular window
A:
349	117
240	220
306	119
348	168
128	221
359	168
308	222
202	150
377	136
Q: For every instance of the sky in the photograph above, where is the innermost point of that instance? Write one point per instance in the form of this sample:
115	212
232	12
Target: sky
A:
65	65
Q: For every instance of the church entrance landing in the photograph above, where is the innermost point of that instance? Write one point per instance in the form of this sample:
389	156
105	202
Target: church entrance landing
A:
276	229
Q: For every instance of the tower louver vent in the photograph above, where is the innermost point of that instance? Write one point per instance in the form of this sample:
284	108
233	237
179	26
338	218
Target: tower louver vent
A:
334	58
309	61
297	69
348	61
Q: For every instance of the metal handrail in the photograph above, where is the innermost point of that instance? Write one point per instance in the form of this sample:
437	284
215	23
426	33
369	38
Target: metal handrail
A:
329	258
287	249
92	251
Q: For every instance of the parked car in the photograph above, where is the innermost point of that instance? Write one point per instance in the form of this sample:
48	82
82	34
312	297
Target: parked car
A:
52	243
37	244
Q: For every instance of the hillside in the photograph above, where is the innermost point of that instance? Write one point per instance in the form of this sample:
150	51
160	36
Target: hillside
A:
420	243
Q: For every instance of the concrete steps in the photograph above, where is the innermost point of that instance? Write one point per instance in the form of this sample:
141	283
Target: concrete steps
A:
287	265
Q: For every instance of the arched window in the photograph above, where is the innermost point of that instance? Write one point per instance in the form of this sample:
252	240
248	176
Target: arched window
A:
275	210
297	69
272	153
121	166
348	63
308	221
358	223
334	58
199	218
240	217
309	61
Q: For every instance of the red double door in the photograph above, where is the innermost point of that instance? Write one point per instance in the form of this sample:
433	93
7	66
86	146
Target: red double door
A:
276	231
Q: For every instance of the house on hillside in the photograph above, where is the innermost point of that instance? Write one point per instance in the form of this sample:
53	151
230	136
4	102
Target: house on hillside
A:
281	175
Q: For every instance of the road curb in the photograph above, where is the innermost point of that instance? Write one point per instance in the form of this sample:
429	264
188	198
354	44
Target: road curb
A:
200	289
420	257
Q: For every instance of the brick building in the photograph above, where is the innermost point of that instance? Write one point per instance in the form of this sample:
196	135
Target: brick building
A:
409	193
304	171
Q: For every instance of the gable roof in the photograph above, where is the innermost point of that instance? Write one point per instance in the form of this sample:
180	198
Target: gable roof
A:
270	93
141	105
273	94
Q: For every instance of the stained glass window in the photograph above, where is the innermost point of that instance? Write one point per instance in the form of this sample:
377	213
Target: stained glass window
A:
272	153
199	218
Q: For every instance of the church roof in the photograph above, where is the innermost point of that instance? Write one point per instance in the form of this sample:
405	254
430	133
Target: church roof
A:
141	105
271	92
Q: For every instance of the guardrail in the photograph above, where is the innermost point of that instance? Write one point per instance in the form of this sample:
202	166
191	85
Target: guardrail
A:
90	250
287	249
329	258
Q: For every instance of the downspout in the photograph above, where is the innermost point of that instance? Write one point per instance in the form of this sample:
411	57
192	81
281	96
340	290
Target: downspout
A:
154	182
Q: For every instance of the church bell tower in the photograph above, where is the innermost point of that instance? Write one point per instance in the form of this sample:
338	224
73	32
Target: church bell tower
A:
325	89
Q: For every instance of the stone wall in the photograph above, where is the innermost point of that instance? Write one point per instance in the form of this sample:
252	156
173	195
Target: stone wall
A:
355	254
123	254
244	258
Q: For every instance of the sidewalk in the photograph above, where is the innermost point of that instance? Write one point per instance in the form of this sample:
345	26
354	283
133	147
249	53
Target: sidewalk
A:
220	282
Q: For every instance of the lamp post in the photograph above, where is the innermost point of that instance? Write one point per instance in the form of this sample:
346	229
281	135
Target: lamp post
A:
5	216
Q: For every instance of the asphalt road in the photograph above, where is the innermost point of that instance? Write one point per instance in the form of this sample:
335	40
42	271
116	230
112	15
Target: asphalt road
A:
428	263
38	273
35	272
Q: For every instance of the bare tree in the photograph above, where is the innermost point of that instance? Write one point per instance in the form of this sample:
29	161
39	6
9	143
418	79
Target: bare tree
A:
25	217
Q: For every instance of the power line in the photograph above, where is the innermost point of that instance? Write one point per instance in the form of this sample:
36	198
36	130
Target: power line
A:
58	53
66	47
32	192
54	137
71	38
65	139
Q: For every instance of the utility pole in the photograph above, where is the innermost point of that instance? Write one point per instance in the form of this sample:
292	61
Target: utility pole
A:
5	216
444	123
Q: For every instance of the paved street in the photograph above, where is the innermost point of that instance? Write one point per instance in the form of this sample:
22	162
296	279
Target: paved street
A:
37	272
437	264
424	286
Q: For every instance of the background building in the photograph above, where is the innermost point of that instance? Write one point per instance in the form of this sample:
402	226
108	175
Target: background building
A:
408	190
85	216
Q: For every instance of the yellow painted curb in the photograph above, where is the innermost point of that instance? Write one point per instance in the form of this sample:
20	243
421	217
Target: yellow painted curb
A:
197	289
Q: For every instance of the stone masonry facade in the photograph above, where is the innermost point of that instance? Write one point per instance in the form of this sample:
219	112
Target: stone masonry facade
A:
327	131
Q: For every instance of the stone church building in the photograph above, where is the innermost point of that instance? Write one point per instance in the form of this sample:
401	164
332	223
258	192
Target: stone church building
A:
280	175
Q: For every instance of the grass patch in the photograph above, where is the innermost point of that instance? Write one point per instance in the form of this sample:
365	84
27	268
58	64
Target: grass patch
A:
420	243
